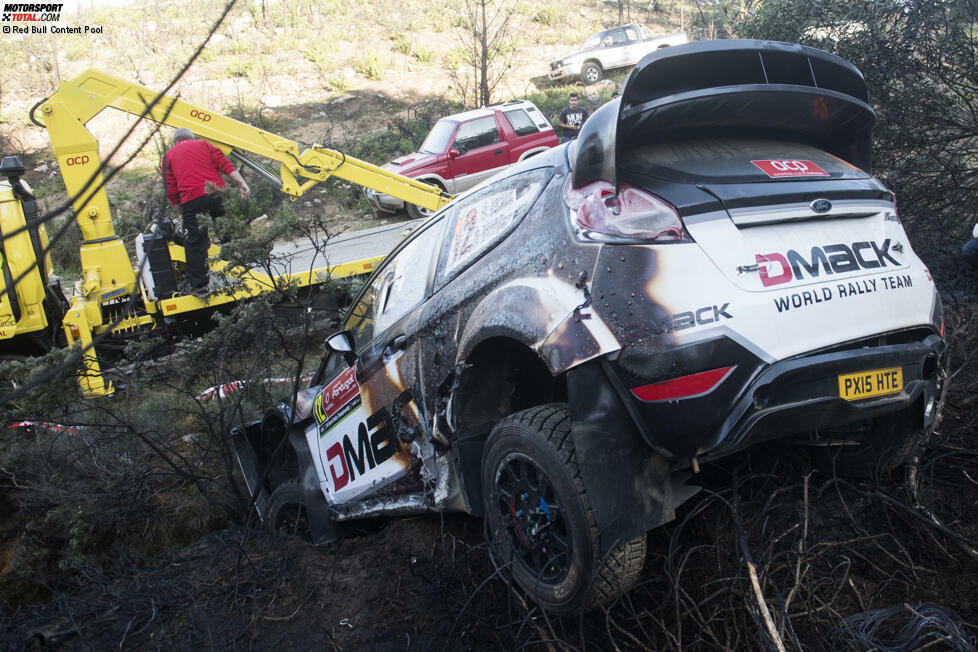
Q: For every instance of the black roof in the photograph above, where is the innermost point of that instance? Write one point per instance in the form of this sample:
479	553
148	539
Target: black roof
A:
743	87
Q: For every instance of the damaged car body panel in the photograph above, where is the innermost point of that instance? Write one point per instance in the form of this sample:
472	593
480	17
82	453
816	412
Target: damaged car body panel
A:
711	265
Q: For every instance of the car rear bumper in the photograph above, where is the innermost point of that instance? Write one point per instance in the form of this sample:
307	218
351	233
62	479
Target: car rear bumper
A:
756	401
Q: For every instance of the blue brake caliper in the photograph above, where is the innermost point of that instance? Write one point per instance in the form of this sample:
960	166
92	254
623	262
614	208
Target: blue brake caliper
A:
545	509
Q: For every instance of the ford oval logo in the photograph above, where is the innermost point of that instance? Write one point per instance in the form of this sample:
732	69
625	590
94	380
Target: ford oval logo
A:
821	205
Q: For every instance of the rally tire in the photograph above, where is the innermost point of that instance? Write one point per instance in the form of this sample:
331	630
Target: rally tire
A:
287	515
619	572
875	450
533	451
591	72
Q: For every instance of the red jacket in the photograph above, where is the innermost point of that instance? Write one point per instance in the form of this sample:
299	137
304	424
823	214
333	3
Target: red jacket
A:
190	164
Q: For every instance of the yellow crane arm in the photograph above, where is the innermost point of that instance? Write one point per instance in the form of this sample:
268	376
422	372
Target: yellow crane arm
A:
93	91
107	271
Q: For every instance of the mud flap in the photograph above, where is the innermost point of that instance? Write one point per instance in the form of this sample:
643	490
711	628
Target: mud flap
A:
324	528
630	487
468	453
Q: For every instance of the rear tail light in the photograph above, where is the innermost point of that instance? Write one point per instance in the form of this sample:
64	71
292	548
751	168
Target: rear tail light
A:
894	216
683	387
630	215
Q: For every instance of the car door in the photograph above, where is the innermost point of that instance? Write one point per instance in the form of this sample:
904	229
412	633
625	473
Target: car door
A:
523	130
634	47
373	434
615	51
481	152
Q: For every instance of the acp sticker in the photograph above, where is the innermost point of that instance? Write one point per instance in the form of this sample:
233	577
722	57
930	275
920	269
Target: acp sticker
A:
781	168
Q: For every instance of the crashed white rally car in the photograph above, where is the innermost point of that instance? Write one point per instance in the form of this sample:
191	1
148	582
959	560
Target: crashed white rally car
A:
708	267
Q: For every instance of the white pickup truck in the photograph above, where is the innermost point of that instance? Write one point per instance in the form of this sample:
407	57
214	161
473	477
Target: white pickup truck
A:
617	47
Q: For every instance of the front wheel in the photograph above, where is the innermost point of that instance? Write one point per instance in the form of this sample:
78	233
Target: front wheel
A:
418	212
591	72
539	518
287	512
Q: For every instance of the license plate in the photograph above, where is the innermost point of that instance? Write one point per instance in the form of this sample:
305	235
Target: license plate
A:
867	384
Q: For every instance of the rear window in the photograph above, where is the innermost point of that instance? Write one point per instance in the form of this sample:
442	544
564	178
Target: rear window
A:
520	122
735	160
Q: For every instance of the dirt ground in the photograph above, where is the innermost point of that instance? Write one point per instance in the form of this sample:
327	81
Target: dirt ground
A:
887	564
884	564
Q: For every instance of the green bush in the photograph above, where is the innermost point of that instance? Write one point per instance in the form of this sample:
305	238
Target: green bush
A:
550	14
423	54
402	44
371	65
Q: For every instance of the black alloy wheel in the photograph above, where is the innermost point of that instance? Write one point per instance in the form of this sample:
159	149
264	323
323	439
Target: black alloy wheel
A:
534	519
539	519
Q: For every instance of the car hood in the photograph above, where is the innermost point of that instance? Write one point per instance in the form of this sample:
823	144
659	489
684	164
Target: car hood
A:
573	55
411	161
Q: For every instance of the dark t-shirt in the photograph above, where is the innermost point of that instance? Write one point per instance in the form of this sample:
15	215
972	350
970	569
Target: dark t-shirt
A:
574	118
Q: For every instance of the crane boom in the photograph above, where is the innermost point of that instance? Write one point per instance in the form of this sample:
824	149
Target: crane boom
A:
108	276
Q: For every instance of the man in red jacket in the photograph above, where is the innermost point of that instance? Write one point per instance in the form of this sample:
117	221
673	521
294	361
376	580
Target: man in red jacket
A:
192	167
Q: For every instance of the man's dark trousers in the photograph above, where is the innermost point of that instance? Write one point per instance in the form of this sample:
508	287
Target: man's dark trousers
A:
197	239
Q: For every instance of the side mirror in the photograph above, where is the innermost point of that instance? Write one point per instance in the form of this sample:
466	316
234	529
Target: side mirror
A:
454	153
343	343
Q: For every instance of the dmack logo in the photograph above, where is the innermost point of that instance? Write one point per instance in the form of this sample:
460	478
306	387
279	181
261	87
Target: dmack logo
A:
200	115
830	259
375	444
77	160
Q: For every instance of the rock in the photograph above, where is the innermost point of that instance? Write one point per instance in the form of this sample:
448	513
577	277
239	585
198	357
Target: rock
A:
605	84
43	167
272	100
261	221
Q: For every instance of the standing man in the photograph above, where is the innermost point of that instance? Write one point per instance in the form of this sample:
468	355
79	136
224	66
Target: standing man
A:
192	167
571	118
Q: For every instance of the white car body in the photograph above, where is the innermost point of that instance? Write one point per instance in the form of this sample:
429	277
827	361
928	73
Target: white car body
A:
618	47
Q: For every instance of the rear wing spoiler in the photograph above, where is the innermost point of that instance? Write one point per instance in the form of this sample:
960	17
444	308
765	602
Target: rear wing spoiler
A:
731	87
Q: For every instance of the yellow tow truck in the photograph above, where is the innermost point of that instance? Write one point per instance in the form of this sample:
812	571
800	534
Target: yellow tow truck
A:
116	296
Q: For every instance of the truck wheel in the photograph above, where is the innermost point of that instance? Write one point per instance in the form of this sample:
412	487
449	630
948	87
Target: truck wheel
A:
539	518
591	72
877	448
418	212
287	511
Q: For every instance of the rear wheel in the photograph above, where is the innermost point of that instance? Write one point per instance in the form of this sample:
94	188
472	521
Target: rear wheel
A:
875	448
591	72
287	514
540	520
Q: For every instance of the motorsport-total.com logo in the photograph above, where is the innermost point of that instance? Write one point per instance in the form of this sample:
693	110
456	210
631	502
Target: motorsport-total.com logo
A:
31	12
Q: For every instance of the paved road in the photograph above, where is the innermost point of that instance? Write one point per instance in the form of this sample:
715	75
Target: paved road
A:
345	248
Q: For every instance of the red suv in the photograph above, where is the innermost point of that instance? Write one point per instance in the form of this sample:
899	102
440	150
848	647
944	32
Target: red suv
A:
463	149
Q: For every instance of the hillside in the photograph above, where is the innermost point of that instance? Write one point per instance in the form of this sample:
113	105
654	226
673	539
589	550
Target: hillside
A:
365	78
125	522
